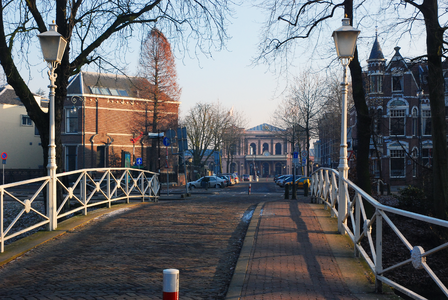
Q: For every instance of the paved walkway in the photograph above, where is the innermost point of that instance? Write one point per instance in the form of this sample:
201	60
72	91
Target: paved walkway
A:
296	253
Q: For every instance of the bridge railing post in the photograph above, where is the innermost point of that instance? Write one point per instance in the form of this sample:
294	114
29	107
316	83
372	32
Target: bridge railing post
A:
379	252
108	189
357	226
84	191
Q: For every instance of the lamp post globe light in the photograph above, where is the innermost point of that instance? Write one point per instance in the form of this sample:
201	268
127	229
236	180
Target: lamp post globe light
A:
345	42
53	48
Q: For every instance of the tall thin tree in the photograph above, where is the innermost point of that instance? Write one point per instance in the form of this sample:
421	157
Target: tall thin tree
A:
158	66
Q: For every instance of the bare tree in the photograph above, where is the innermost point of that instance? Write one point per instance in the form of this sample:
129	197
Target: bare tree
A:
307	95
232	135
291	22
98	32
206	127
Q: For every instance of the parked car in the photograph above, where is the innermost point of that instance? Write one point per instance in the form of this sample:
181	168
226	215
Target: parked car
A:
225	178
281	181
281	177
207	181
232	176
246	177
300	182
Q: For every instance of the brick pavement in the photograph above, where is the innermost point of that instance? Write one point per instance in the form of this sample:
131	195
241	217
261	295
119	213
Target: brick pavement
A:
291	257
122	256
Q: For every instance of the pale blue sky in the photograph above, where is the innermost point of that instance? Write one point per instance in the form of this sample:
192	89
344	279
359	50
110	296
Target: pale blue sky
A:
253	91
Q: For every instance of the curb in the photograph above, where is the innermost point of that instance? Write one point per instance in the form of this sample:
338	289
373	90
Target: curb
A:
239	275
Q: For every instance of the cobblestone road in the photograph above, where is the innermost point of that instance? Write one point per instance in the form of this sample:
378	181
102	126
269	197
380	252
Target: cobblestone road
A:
123	256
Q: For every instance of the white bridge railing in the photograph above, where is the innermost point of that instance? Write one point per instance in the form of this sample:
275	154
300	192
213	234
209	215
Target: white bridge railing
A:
324	188
24	205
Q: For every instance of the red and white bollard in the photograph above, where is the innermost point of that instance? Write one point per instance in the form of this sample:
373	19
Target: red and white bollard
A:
250	188
170	284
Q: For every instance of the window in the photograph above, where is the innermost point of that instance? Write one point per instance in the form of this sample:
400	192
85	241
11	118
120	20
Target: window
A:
397	121
426	122
414	122
104	91
70	158
397	83
377	121
397	163
101	157
265	148
95	90
414	164
376	83
71	121
114	92
427	157
123	93
278	149
253	149
25	120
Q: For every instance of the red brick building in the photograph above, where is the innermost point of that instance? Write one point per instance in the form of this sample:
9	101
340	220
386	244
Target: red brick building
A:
398	100
103	112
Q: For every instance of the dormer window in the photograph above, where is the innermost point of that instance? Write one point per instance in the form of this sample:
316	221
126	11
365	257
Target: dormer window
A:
397	83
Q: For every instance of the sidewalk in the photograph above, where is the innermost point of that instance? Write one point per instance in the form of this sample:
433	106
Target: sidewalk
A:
293	251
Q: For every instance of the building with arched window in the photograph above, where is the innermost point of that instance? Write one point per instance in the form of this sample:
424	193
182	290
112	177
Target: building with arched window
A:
398	100
263	151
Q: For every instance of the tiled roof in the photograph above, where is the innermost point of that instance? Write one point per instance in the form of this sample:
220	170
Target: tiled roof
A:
119	85
8	96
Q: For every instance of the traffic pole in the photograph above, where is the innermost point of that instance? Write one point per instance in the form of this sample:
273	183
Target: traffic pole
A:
250	188
170	284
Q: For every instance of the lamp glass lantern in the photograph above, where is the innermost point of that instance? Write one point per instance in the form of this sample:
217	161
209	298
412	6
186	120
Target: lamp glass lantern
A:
345	40
52	44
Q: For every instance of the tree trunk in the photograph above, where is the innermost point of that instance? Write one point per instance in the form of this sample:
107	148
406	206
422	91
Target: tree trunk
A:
363	119
434	44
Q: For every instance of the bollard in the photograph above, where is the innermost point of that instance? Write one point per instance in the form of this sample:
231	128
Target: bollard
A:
250	189
286	192
305	188
170	284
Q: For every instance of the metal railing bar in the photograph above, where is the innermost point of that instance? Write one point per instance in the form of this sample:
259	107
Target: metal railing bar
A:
435	278
397	231
401	288
436	249
366	257
404	262
42	223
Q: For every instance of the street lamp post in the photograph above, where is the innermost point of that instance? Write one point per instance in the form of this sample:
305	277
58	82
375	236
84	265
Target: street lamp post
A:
345	42
53	47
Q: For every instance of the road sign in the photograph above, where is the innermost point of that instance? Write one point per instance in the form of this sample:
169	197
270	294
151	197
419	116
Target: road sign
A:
139	161
4	155
296	154
304	153
155	135
166	141
304	161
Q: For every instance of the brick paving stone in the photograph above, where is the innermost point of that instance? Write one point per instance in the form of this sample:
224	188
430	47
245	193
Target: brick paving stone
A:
291	258
123	256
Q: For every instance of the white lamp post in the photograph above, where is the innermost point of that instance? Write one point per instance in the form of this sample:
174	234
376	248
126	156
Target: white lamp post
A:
345	42
53	47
